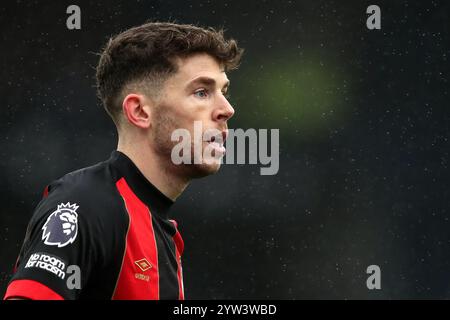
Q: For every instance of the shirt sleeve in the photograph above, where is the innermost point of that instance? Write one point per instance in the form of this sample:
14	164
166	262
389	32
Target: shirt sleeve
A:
59	251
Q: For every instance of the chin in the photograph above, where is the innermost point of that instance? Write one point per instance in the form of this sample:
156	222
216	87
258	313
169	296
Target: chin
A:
203	170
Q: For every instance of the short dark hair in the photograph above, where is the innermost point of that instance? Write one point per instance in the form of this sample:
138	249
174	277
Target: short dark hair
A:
145	54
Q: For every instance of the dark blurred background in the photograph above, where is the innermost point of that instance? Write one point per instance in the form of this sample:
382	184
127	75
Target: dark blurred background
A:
364	127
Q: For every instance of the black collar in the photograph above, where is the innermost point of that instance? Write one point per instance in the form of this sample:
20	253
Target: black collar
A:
144	190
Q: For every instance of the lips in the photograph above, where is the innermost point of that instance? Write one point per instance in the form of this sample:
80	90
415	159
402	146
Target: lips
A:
217	146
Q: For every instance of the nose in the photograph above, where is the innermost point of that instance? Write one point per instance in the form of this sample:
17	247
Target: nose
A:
223	110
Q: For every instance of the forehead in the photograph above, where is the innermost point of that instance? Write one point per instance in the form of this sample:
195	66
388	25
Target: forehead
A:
198	65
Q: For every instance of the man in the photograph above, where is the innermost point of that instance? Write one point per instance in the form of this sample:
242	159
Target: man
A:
103	232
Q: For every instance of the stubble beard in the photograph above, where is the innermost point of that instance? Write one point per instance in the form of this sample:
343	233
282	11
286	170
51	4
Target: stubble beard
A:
164	125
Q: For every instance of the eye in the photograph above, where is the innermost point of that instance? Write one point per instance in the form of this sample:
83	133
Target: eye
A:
202	93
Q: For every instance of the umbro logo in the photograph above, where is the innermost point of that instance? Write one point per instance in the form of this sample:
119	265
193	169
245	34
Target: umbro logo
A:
143	264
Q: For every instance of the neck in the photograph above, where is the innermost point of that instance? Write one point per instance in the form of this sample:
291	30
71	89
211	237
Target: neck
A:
154	169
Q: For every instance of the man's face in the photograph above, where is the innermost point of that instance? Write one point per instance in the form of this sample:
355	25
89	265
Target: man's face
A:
194	94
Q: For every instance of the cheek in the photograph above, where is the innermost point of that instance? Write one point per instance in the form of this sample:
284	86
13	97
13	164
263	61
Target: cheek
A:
184	111
192	108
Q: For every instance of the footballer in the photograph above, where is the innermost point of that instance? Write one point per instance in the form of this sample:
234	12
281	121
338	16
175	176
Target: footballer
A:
104	232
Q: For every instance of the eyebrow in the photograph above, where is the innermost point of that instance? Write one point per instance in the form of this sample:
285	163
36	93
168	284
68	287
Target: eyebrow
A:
207	81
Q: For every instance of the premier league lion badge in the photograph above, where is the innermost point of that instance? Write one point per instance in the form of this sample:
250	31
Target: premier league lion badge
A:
61	227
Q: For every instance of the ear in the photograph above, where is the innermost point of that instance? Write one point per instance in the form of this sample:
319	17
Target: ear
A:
137	110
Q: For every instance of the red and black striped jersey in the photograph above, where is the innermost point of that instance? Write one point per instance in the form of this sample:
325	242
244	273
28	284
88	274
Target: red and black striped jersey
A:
101	232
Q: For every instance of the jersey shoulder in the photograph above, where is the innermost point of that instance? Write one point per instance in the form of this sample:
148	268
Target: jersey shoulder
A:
90	197
79	222
92	189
